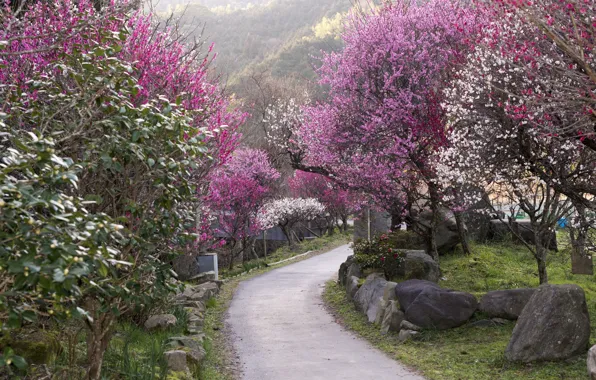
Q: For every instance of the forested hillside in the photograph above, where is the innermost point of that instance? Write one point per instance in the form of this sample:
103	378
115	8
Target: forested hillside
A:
280	35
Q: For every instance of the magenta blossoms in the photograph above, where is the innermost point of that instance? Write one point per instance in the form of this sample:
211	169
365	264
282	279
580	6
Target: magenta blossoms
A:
383	118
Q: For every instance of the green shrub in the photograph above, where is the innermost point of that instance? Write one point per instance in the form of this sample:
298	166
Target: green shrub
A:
386	251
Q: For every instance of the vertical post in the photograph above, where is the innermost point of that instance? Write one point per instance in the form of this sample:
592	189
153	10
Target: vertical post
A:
265	243
215	267
368	222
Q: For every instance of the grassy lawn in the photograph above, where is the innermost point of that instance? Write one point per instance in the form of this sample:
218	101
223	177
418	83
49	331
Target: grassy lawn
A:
475	352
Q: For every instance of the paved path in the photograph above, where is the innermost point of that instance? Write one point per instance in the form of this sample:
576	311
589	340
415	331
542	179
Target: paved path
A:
282	332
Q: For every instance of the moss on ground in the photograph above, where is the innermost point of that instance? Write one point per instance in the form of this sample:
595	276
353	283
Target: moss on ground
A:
475	353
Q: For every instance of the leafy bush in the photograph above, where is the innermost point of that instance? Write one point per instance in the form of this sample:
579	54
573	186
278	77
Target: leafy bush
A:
385	251
103	155
378	254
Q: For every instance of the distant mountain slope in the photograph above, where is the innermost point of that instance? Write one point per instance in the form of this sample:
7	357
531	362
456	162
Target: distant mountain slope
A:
279	35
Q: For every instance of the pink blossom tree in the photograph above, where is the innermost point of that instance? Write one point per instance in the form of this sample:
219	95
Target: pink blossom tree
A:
383	121
338	202
236	193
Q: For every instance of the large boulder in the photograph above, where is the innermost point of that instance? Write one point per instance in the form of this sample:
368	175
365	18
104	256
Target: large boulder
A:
592	363
161	321
554	325
388	295
447	234
352	287
186	266
176	361
354	270
506	304
500	230
342	274
378	222
407	291
526	232
392	317
369	296
441	309
419	265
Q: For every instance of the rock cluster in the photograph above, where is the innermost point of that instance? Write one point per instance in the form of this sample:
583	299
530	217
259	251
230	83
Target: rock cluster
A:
188	350
552	320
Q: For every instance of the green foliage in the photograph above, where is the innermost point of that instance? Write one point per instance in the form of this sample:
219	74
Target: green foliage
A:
386	251
474	353
95	191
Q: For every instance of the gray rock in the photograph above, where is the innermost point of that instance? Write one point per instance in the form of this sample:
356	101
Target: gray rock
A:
196	356
483	323
161	321
203	277
441	309
447	235
419	265
196	305
342	274
186	266
526	232
554	325
392	318
380	311
352	287
176	360
354	270
194	342
506	304
592	363
380	222
500	321
368	297
389	291
407	291
405	335
388	295
407	325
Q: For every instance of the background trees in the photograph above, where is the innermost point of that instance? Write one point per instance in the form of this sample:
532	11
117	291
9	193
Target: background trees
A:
236	193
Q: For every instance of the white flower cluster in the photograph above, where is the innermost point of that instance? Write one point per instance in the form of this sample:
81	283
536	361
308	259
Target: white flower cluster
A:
282	120
288	211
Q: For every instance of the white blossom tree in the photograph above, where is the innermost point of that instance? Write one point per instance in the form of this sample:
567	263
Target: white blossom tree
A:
288	212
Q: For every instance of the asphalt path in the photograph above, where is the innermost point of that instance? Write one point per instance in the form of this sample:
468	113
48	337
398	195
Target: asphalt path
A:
281	330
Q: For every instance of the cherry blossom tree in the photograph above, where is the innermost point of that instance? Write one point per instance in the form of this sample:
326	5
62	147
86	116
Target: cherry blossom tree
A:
288	212
339	203
498	144
383	121
236	193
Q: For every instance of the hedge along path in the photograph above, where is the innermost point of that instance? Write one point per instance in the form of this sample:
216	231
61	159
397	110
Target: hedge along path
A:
280	329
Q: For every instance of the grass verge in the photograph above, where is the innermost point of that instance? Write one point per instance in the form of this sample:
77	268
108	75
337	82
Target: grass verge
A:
220	362
474	353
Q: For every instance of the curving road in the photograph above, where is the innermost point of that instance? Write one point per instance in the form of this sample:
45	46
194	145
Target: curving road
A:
281	330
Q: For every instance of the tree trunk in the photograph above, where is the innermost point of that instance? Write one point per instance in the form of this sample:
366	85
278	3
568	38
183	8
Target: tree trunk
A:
396	221
286	232
461	230
541	252
434	205
98	337
231	263
344	222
